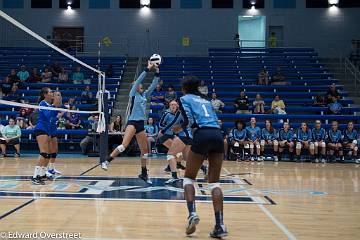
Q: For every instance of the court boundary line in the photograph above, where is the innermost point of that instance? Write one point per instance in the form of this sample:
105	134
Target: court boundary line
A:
281	226
17	208
90	169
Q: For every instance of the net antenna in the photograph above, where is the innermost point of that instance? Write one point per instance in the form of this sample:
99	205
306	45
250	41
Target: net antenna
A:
101	75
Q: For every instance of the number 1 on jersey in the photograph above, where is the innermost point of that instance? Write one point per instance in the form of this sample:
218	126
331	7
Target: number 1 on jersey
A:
205	110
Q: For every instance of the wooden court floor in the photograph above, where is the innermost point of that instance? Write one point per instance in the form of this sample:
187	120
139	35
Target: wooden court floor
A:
287	201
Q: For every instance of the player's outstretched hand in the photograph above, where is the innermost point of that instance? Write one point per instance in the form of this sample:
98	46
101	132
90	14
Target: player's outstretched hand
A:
151	66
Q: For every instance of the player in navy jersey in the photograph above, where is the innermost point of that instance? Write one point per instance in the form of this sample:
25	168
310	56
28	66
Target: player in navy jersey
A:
286	139
253	137
237	139
334	142
137	116
198	113
319	142
350	140
269	137
303	140
42	133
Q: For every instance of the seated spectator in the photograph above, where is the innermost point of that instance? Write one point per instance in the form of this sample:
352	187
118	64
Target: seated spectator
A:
170	95
33	119
286	139
56	69
253	137
334	142
13	77
158	96
86	96
46	76
22	122
152	131
242	104
237	140
203	89
269	137
6	86
13	95
263	77
278	106
303	142
90	138
78	76
115	129
10	136
258	104
332	94
319	101
24	113
71	103
109	71
35	76
63	76
350	140
116	126
23	74
217	104
278	78
334	108
73	120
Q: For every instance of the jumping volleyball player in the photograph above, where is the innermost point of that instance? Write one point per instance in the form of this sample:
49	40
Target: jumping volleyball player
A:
208	141
137	116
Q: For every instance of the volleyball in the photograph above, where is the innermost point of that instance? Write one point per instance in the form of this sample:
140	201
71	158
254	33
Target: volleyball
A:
156	58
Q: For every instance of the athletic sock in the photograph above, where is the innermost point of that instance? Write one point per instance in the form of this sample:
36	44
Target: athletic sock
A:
191	207
143	171
109	159
37	171
174	175
219	218
51	166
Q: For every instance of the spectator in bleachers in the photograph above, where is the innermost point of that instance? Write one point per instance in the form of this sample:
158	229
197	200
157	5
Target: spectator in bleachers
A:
350	140
237	139
14	79
56	69
152	131
170	95
33	119
217	104
241	104
263	77
332	94
13	95
158	96
21	122
6	86
34	76
89	139
253	137
258	104
86	96
73	120
63	76
78	76
319	141
272	40
278	106
115	128
46	76
269	137
203	89
224	133
304	139
24	113
334	142
278	78
23	74
70	103
109	71
10	136
286	140
334	107
319	101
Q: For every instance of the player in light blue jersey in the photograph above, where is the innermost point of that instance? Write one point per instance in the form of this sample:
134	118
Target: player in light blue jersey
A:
237	140
318	140
286	139
334	142
350	140
137	116
269	137
304	139
152	130
208	142
253	136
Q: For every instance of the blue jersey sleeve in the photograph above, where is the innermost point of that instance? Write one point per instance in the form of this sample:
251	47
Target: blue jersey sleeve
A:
186	113
138	81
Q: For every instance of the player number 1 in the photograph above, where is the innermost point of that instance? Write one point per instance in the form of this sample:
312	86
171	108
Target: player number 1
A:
205	110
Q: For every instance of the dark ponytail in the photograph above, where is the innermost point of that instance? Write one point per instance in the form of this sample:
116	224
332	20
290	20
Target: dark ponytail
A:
190	85
43	92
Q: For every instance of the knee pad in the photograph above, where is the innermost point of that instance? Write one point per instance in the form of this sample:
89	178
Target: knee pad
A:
251	146
323	144
276	143
188	181
262	143
298	145
45	155
355	142
144	156
120	148
169	157
247	146
258	146
212	186
236	144
179	155
312	146
53	155
316	144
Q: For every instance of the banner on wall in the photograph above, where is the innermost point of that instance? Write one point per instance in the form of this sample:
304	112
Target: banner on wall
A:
185	41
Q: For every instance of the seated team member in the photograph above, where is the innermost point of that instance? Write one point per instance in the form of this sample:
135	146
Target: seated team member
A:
269	137
318	140
253	136
350	140
10	136
152	131
334	142
286	139
304	139
237	137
